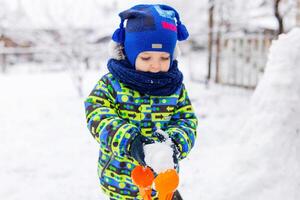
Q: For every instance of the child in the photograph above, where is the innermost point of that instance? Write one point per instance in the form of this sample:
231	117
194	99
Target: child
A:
141	102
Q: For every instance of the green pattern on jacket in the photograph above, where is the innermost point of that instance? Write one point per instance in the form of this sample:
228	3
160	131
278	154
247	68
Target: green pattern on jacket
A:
116	114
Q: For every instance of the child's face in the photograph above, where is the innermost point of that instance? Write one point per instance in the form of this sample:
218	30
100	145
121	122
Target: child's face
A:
153	61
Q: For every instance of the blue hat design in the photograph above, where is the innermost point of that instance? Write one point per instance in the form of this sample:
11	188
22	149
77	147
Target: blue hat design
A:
149	28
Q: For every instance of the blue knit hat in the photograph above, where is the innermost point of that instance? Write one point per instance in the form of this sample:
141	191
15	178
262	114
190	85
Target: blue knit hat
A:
149	28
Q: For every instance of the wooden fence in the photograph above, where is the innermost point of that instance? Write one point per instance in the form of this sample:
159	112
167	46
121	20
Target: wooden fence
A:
9	55
240	60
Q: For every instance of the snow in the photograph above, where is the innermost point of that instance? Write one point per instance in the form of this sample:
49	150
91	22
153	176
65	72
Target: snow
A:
247	146
50	153
262	161
250	153
156	153
268	164
159	155
45	153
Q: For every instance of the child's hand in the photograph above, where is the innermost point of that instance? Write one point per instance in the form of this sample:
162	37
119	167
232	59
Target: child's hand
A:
160	156
137	148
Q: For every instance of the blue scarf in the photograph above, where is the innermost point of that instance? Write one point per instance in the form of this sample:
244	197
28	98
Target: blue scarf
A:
156	84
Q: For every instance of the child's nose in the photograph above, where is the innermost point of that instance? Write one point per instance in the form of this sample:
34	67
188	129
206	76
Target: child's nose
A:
155	69
155	66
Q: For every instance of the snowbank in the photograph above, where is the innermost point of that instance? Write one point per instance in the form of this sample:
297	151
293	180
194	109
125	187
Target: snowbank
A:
268	164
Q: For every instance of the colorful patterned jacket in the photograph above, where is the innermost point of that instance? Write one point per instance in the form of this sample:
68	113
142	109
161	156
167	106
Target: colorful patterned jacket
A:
116	114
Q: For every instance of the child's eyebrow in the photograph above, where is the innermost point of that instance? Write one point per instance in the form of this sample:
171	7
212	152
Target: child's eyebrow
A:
145	54
150	54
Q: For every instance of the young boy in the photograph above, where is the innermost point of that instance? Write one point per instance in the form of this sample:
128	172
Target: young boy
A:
141	101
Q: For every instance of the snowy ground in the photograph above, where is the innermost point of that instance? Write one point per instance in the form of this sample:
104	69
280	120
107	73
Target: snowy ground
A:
245	149
220	110
48	153
45	152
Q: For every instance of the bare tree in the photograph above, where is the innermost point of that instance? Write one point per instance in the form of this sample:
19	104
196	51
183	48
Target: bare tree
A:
278	16
210	36
298	13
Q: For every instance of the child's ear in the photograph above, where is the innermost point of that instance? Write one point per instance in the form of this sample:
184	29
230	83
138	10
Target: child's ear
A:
115	50
177	52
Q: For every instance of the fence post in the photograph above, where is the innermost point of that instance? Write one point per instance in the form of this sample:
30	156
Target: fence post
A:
3	62
249	63
217	77
231	66
298	13
210	36
244	69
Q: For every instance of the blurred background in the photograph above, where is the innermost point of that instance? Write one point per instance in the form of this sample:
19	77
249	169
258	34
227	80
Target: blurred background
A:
70	35
52	52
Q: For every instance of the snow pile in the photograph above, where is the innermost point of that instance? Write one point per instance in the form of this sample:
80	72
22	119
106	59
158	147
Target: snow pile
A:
268	164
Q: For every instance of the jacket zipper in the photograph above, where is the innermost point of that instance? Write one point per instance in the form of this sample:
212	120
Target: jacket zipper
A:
106	165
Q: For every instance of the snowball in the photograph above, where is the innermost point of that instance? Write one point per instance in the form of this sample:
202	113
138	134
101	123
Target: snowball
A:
159	156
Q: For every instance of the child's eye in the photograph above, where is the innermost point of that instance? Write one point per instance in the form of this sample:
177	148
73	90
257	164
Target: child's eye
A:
145	58
165	58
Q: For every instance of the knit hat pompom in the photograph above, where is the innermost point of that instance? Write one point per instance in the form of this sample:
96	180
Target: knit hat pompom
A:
149	28
182	32
119	35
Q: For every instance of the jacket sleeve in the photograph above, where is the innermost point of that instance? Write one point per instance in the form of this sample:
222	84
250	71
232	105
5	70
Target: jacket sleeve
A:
183	125
112	132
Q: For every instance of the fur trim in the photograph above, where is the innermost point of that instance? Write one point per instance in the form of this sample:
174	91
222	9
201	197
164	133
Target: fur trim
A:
177	52
115	51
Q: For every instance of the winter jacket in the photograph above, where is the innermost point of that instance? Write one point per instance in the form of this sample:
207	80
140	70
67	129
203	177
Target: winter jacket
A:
116	114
